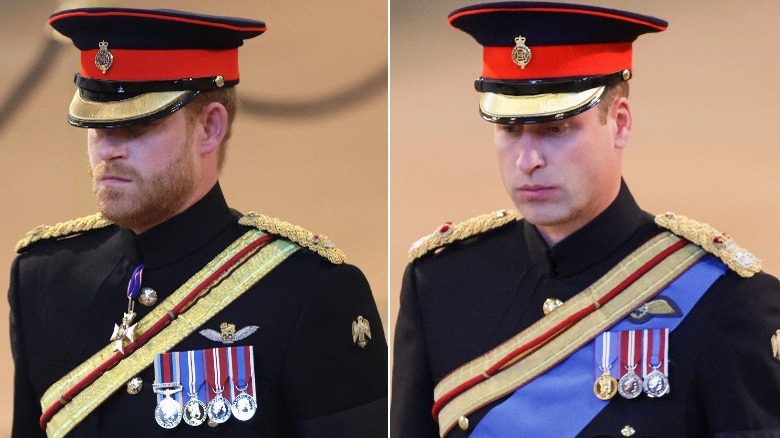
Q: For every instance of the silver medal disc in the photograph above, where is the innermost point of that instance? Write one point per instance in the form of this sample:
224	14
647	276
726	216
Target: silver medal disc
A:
219	409
244	406
195	412
656	384
168	413
630	385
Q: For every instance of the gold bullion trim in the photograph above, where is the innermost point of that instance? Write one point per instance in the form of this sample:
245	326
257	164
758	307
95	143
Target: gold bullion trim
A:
711	240
227	290
538	105
143	105
527	368
318	243
62	229
471	227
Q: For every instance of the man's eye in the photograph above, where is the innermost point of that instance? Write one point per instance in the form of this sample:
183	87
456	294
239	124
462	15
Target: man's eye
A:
556	129
509	128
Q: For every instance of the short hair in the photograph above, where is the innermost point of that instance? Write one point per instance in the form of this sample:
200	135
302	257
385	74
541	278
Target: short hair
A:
225	96
610	94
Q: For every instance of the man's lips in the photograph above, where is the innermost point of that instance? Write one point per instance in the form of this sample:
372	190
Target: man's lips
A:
113	179
536	192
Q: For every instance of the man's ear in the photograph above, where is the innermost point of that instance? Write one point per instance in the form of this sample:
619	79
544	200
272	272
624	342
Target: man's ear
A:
620	111
212	126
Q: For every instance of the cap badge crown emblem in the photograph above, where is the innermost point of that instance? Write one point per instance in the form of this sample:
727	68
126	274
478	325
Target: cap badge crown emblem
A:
521	54
103	58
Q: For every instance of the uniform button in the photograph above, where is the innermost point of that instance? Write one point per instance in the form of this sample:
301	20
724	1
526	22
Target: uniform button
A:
627	430
148	297
135	385
551	304
463	422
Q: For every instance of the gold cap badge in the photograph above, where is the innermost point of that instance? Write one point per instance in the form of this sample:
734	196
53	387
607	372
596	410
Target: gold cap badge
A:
521	54
103	58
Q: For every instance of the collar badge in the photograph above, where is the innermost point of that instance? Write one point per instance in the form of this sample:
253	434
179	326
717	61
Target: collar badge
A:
361	330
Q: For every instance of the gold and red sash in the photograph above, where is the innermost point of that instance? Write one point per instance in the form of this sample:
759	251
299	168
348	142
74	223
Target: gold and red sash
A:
535	350
71	399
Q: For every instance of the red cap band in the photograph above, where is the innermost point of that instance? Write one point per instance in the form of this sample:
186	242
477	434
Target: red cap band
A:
160	65
557	61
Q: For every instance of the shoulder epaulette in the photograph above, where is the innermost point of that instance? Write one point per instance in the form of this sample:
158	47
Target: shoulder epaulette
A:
449	233
711	240
62	229
318	243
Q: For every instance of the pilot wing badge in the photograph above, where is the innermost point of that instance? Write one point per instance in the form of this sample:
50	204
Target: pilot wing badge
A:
228	334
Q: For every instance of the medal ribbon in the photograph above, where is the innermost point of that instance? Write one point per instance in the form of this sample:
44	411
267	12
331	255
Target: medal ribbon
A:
655	342
134	285
631	350
167	369
241	372
217	371
193	375
607	348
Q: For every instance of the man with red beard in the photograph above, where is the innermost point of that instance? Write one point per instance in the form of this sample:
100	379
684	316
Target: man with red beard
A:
168	307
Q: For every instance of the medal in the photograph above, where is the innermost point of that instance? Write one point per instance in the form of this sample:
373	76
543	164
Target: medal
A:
194	410
168	411
219	408
244	406
125	332
241	371
630	384
605	386
656	383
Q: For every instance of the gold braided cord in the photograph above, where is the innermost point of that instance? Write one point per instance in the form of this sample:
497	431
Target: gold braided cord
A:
318	243
62	229
452	233
711	240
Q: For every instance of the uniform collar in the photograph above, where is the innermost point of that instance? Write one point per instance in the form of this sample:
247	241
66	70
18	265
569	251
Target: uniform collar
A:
186	232
590	244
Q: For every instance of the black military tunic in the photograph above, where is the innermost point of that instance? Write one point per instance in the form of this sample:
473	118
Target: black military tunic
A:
460	302
311	378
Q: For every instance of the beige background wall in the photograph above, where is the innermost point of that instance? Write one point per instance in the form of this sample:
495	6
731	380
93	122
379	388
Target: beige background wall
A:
704	99
326	172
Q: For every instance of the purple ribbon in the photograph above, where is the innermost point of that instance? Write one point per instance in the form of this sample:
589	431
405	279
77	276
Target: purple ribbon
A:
134	286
